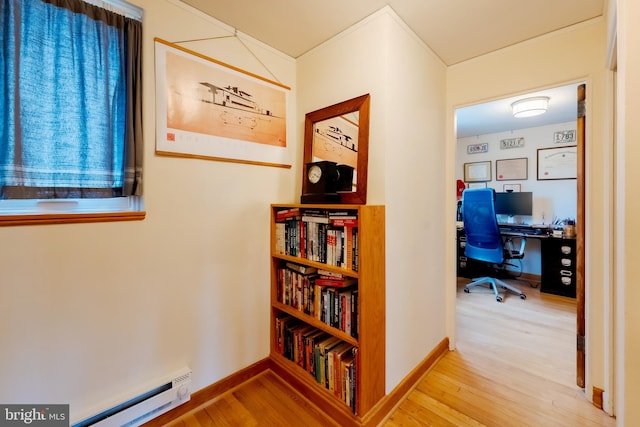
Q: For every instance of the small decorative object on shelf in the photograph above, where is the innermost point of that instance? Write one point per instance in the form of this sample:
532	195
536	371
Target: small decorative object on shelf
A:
326	260
321	183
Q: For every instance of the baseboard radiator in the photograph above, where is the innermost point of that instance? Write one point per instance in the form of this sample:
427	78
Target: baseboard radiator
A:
142	407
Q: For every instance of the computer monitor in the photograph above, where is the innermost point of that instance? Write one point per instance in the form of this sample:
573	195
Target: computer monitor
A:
514	203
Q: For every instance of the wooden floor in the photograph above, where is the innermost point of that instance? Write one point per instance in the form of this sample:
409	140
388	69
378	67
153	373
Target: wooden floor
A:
514	366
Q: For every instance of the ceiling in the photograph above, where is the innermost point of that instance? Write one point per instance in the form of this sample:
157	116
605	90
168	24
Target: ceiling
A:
456	30
496	116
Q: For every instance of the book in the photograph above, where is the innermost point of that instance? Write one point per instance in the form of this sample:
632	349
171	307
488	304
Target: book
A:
299	345
354	256
283	326
283	214
320	357
345	310
318	219
302	269
353	401
335	282
310	341
329	372
354	313
346	365
349	234
329	274
280	238
344	214
342	222
339	353
288	338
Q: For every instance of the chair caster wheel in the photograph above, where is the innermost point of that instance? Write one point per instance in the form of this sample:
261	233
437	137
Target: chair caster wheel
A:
499	298
523	296
466	290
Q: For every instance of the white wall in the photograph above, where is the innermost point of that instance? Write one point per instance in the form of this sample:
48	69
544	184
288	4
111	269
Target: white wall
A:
571	55
551	198
93	311
406	81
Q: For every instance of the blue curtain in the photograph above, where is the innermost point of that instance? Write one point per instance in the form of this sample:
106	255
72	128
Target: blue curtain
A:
67	126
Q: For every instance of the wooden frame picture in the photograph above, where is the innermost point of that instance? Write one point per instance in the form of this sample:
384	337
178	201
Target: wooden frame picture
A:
512	169
515	188
477	171
557	163
477	185
210	110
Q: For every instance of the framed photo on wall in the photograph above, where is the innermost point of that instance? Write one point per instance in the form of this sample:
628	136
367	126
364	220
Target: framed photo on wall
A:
210	110
557	163
477	185
512	169
515	188
477	171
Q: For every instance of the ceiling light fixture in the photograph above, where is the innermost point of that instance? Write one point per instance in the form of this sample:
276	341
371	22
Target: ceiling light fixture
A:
530	107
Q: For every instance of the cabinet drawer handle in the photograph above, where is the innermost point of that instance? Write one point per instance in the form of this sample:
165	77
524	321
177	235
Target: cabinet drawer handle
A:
566	281
566	262
565	249
566	273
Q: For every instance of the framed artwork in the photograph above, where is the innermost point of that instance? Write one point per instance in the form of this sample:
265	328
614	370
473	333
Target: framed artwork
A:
515	188
211	110
477	185
557	163
477	171
512	169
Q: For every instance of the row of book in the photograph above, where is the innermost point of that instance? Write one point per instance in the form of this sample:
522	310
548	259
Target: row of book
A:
331	361
324	295
329	237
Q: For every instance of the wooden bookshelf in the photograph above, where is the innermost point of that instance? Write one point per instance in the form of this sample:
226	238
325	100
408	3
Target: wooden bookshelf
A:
369	339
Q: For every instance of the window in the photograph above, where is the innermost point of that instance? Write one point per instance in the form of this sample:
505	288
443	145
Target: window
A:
71	117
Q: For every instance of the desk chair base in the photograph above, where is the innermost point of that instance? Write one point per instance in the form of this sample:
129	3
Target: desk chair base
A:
494	285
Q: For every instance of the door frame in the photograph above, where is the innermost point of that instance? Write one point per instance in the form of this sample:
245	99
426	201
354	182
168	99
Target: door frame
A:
581	179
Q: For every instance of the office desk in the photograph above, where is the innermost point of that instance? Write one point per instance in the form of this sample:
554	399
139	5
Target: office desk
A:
557	262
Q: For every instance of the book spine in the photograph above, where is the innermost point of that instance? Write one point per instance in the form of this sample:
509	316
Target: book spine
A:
354	313
354	265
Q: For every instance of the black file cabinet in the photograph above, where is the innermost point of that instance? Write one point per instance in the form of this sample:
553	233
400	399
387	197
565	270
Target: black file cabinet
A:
559	267
461	260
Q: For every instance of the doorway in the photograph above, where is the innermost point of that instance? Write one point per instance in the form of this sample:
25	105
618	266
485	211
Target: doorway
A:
488	133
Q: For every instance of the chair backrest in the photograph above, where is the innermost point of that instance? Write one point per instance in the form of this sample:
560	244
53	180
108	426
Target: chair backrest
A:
484	242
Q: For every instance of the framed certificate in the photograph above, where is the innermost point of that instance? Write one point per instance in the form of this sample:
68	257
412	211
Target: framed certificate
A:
512	169
477	171
557	163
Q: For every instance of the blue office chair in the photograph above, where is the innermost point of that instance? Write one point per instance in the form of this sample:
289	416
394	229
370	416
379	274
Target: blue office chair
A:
484	242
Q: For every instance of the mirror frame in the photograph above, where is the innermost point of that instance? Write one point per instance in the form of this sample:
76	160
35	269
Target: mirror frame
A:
360	104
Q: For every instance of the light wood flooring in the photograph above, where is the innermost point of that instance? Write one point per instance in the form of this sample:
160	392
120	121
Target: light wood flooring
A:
514	366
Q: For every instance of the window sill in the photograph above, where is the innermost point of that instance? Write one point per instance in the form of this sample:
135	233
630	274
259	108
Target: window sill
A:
42	219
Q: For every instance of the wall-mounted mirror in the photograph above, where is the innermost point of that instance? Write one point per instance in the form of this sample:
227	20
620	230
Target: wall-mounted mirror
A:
340	133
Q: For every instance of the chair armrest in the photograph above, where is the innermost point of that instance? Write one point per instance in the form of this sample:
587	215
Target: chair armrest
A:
510	244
